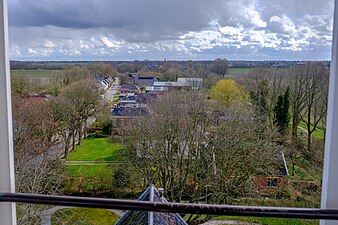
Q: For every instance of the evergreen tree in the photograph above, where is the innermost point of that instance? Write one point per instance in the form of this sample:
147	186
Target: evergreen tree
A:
286	108
259	99
281	112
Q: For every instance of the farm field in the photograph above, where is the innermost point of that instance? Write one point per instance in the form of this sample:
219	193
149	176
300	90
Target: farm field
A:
239	72
32	72
40	78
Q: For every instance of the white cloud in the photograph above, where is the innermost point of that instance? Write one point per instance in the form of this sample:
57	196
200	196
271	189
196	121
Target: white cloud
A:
31	51
252	15
110	43
196	30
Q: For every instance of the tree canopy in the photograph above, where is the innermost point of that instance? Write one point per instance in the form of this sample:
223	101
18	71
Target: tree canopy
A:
227	91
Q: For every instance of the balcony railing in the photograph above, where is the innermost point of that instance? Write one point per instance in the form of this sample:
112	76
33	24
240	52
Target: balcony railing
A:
182	208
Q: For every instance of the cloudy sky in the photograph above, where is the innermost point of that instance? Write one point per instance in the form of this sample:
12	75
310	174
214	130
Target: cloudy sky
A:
175	29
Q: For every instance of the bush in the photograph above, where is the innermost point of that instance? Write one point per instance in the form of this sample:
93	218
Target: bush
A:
121	178
99	134
284	193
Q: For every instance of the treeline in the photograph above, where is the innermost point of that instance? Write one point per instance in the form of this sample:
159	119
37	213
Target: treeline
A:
135	66
304	88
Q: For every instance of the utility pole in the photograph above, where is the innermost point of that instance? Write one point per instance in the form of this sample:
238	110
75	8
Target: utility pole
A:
7	180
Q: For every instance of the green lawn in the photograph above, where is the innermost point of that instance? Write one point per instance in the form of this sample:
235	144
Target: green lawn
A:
88	179
299	173
95	149
92	178
269	221
318	133
84	216
90	170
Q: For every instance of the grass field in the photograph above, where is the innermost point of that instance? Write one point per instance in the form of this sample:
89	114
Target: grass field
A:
32	72
269	221
240	69
84	216
95	149
239	72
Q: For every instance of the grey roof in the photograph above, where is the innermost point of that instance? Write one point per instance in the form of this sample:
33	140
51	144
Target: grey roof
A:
144	218
129	111
146	98
101	78
128	99
144	80
130	87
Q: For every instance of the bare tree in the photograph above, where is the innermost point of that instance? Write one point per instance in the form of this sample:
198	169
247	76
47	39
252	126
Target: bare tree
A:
101	69
34	128
265	87
67	122
315	105
297	81
77	103
68	75
188	149
43	176
167	141
241	150
220	67
37	171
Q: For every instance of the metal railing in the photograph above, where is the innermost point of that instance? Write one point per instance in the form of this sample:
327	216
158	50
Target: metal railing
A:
186	208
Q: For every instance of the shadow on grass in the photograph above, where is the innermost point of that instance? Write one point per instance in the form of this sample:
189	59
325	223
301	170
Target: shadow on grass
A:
108	158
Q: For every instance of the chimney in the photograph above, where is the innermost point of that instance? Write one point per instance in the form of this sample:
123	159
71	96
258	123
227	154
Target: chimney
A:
160	192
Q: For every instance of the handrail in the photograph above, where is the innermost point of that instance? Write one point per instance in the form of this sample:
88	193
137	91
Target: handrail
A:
187	208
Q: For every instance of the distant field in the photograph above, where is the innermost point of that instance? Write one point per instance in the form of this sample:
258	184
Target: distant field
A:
230	69
238	72
32	72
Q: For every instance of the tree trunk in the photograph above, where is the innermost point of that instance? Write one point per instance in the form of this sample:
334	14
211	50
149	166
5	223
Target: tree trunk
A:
309	132
309	142
66	143
315	117
85	130
66	152
74	140
295	122
80	136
